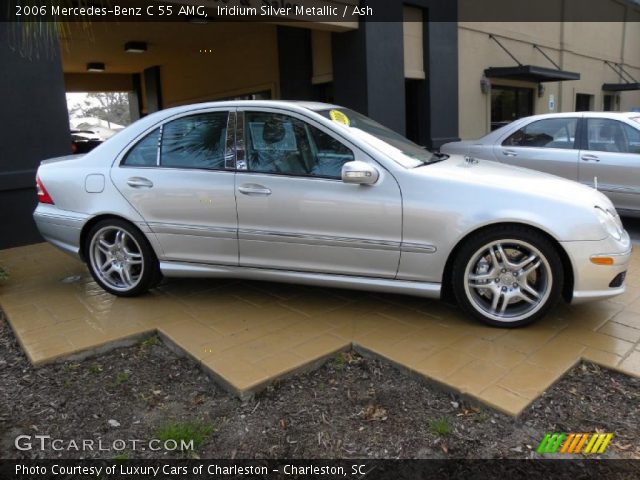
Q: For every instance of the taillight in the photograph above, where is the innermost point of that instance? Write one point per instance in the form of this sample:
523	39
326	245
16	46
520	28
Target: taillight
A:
43	195
74	147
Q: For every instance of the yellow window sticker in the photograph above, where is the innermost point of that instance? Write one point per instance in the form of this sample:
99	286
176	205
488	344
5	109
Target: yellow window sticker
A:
339	117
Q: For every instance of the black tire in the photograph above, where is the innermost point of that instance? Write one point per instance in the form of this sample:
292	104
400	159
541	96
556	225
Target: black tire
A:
135	248
509	285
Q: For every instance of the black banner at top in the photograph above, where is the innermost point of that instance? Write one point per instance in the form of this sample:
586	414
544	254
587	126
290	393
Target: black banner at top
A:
339	12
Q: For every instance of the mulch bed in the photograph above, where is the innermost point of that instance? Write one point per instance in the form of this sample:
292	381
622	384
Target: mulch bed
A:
352	407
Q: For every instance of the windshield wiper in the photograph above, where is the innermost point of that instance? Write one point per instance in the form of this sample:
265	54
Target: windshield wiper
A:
439	157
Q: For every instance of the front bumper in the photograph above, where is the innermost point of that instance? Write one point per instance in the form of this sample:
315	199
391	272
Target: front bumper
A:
61	228
593	281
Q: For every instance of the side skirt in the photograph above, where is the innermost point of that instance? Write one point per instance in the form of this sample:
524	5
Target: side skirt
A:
193	270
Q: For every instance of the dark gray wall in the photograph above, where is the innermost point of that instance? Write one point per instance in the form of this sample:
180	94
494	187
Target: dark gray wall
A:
153	89
368	67
368	71
294	63
34	126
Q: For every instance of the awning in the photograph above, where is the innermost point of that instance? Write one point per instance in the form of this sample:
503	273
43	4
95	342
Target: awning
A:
531	73
621	87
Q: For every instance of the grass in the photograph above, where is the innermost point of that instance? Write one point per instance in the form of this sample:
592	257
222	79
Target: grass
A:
4	274
339	362
149	342
186	432
121	378
441	426
95	368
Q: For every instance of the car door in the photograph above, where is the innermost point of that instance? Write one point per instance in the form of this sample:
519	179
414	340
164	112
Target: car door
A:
611	154
548	145
295	213
177	178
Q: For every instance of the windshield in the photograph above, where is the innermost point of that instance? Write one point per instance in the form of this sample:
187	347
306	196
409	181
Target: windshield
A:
399	148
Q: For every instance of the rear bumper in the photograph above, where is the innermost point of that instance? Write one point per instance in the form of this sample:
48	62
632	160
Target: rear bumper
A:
597	282
61	228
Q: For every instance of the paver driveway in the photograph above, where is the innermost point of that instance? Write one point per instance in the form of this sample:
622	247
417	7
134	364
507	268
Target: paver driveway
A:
248	333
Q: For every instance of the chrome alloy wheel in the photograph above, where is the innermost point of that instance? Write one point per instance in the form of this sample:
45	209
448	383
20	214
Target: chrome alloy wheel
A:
508	280
116	258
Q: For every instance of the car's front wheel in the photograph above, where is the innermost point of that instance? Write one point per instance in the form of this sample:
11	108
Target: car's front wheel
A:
507	276
120	258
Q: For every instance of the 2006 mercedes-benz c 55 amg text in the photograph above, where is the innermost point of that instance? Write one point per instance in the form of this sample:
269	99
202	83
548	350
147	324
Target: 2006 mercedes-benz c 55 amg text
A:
318	194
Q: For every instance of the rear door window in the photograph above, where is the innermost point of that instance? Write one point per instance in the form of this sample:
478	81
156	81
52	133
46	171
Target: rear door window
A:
196	141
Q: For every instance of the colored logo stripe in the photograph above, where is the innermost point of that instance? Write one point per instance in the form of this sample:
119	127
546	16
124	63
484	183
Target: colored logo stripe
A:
598	443
551	442
574	443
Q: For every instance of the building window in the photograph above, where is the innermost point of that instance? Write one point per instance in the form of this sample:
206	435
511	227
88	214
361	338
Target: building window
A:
509	104
608	103
584	102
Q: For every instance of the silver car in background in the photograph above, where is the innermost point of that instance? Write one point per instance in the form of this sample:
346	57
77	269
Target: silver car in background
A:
318	194
594	148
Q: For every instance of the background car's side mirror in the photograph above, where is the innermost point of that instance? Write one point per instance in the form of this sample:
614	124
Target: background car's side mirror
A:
359	172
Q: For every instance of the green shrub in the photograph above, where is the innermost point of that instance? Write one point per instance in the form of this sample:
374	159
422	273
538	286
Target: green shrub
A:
185	433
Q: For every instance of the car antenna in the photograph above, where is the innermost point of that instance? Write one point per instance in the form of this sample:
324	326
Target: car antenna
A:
595	183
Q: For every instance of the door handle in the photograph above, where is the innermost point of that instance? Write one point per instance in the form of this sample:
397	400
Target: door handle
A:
139	182
590	158
253	189
509	153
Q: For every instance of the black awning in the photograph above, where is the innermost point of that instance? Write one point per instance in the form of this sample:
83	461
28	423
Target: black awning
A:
621	87
531	73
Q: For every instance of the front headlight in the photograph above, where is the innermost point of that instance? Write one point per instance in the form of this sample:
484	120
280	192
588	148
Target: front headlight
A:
611	223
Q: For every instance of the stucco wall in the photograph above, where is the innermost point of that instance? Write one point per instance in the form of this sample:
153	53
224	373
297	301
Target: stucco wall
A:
576	47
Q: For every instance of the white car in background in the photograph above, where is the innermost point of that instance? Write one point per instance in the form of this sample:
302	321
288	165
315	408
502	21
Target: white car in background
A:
599	149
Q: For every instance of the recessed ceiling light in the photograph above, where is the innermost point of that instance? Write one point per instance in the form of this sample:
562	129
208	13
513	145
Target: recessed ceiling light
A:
135	47
95	67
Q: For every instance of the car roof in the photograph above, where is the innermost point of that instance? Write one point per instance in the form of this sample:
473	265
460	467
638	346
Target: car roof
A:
589	114
307	105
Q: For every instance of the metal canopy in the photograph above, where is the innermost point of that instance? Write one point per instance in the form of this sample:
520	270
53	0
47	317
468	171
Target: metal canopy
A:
531	73
620	87
630	83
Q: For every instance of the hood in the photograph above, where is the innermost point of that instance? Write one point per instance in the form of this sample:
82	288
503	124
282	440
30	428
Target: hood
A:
508	178
462	147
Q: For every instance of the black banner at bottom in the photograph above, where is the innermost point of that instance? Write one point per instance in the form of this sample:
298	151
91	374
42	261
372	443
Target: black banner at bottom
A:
310	469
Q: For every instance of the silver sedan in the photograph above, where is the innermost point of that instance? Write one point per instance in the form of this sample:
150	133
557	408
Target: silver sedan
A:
599	149
318	194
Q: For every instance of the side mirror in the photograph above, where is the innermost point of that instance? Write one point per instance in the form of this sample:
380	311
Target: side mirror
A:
360	173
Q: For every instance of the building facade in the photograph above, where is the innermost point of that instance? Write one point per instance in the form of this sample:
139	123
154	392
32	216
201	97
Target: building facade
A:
604	56
434	81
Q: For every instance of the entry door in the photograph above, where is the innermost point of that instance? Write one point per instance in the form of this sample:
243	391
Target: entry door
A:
547	145
175	178
295	213
612	155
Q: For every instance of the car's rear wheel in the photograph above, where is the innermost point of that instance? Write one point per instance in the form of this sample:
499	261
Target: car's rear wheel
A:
507	276
120	258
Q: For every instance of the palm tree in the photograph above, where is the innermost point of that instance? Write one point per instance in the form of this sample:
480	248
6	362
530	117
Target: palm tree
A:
36	36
